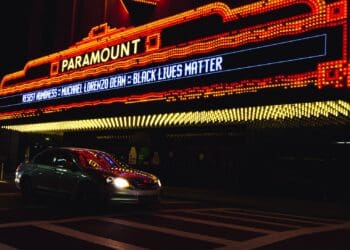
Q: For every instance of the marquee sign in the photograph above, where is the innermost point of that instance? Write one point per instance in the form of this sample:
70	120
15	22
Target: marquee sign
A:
101	55
264	44
146	76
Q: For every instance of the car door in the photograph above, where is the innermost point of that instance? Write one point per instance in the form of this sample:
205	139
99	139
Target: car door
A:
44	177
69	173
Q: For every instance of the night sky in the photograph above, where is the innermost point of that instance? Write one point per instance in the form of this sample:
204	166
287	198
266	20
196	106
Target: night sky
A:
14	35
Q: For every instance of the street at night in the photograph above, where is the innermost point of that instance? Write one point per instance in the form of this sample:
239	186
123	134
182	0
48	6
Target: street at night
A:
172	224
163	124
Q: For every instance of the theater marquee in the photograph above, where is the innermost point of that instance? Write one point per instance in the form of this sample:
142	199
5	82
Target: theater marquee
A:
208	52
101	55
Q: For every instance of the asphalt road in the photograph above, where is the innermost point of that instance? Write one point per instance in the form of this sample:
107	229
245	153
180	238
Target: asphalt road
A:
174	224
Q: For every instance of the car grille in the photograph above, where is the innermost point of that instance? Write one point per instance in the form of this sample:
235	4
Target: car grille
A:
144	184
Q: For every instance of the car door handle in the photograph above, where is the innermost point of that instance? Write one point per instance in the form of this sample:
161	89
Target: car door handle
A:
61	170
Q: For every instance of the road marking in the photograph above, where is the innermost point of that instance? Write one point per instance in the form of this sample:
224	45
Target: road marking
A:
10	194
272	217
88	237
6	247
240	218
281	236
31	223
183	234
270	238
178	202
312	218
256	212
218	224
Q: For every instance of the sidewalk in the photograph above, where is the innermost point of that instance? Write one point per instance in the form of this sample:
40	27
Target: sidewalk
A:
275	204
8	186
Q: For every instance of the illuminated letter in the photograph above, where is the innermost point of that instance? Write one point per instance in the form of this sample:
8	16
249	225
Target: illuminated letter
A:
71	64
64	65
218	63
125	50
135	44
188	69
86	60
115	52
95	57
106	52
77	62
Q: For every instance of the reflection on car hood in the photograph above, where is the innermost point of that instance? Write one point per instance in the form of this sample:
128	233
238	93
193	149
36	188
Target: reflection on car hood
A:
130	173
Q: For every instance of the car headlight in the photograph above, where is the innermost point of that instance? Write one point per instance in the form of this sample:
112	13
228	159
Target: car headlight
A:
118	182
121	182
159	183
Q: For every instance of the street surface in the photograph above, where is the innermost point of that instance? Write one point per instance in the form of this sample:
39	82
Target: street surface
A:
174	224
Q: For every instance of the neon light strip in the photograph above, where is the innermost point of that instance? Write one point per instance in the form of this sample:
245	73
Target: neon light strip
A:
124	7
284	115
321	54
151	2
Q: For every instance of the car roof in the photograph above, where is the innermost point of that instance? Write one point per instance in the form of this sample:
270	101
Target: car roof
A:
76	149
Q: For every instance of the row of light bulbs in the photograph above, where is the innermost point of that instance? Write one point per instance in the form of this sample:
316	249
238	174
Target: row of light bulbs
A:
281	112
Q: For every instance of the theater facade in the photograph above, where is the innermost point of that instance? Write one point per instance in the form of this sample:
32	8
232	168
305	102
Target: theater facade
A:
250	96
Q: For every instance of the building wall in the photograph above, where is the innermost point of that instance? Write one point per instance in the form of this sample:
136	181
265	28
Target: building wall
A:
9	151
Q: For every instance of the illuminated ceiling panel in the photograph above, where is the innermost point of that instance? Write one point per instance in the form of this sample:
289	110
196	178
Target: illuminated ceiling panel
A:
283	115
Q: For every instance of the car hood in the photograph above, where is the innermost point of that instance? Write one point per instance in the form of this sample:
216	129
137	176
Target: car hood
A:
130	173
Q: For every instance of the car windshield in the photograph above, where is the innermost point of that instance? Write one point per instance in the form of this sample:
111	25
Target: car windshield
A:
99	160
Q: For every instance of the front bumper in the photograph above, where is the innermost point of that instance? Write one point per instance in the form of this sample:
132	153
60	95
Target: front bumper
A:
135	196
18	176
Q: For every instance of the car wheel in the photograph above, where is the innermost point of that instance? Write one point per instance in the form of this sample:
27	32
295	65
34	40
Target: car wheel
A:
27	190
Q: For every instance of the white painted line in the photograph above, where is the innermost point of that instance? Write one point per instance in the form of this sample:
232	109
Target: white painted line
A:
31	223
10	194
324	220
273	217
6	247
18	224
240	218
281	236
178	202
217	224
179	233
88	237
253	211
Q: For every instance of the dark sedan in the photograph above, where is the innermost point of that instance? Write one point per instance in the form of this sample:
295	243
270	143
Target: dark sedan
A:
85	174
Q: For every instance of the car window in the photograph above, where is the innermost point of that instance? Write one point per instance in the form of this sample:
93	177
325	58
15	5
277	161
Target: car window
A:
98	160
44	158
64	159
